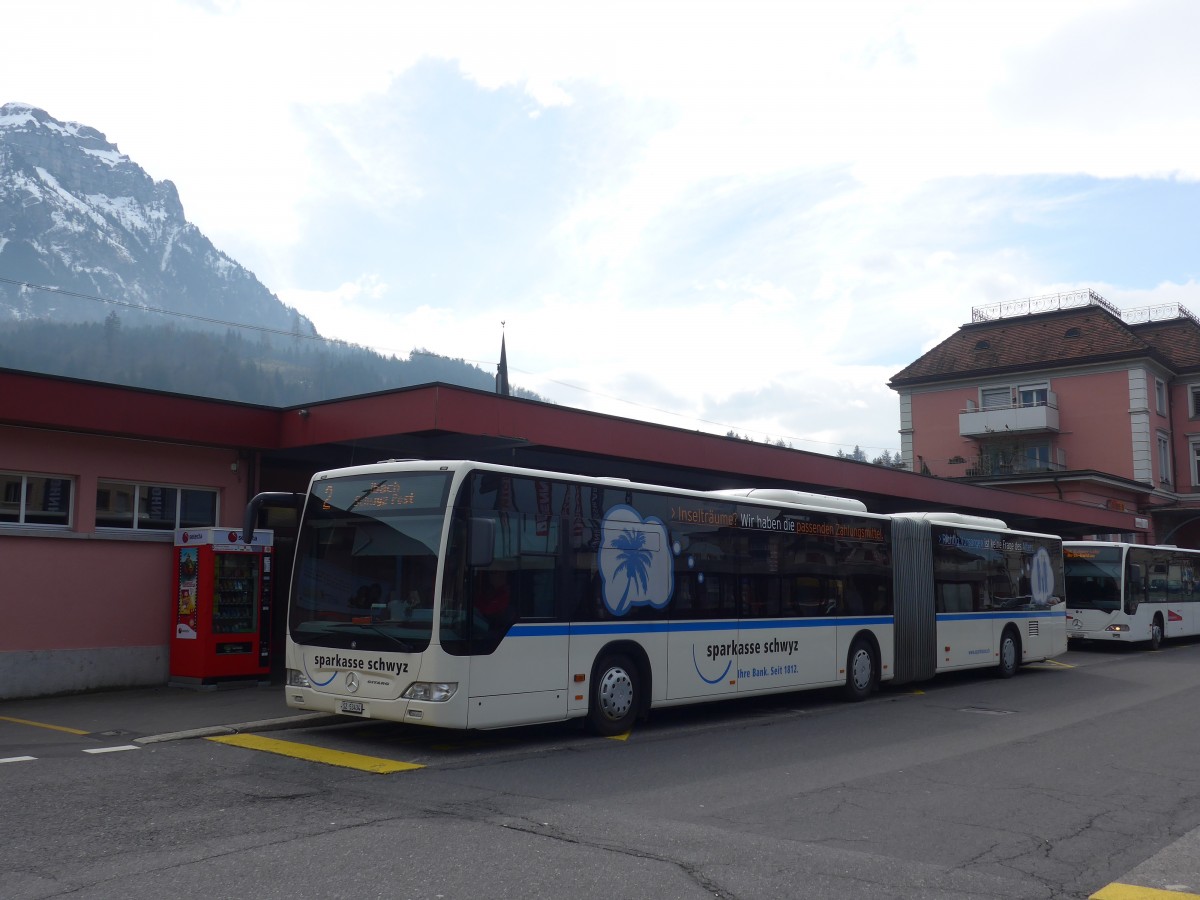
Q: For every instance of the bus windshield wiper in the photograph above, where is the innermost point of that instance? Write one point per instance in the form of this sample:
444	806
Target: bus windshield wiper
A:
366	492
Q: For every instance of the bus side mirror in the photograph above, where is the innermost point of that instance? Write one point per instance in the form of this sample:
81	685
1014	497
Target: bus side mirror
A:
481	541
268	498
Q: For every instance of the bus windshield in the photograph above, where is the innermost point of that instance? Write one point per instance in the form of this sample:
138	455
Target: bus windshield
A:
366	558
1093	577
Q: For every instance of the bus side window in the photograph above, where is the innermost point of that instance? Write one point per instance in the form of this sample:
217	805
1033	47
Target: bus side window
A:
956	596
1187	580
1137	587
1135	578
537	589
759	597
1158	582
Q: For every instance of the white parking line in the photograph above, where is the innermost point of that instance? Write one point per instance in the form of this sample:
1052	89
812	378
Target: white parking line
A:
113	749
17	759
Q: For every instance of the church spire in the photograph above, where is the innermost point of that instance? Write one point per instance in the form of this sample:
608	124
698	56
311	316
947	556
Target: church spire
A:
502	369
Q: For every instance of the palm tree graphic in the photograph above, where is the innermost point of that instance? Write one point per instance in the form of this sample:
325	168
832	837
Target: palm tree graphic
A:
635	563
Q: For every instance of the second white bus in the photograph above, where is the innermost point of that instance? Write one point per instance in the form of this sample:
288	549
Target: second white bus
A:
1131	593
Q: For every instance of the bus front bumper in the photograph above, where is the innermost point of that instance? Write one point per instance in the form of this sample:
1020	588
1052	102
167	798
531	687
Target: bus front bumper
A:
447	714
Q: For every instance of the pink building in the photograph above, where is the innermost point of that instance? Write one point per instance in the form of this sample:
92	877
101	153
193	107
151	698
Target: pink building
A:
96	478
1066	397
87	519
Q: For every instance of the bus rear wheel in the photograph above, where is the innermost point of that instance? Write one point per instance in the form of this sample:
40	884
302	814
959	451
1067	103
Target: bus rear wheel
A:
1010	655
613	705
861	674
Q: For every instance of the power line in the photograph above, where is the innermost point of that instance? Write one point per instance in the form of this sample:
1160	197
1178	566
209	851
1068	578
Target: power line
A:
108	301
166	312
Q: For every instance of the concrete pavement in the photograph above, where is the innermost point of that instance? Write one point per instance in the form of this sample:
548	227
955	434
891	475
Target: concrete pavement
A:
1171	874
166	713
153	714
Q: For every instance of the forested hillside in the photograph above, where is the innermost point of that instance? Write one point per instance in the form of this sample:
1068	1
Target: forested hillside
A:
273	370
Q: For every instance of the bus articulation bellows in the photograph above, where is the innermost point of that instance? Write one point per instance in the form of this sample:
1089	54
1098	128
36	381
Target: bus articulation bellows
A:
468	595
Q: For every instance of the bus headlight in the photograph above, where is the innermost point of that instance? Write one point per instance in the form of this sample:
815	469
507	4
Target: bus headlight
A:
1117	628
296	678
431	691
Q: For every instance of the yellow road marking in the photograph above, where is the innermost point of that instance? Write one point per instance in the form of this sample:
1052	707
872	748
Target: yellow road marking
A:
1118	891
374	764
43	725
1053	662
620	737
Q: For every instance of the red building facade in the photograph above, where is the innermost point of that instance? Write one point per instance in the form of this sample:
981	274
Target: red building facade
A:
94	479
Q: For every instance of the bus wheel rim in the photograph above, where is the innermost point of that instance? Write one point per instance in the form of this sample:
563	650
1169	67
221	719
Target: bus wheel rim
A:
861	670
616	693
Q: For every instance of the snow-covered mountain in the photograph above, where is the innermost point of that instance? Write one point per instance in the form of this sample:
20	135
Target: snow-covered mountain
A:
78	215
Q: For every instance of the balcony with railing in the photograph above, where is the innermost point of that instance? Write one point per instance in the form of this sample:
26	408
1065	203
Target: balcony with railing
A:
986	468
1011	418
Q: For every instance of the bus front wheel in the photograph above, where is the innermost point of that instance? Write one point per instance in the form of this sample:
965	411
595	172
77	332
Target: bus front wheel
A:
1010	655
1156	633
613	704
861	676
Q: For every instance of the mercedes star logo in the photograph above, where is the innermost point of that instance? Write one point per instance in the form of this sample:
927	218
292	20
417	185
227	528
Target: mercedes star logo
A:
351	682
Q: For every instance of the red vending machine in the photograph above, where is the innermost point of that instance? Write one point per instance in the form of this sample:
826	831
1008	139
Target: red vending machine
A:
222	606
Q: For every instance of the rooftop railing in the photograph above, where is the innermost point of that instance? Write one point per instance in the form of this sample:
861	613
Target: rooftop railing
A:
1030	306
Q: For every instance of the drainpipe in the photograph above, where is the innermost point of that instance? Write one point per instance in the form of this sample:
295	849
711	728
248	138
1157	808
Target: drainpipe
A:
1171	436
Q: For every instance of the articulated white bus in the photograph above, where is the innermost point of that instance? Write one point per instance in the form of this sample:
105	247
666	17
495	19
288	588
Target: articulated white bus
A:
468	595
1132	593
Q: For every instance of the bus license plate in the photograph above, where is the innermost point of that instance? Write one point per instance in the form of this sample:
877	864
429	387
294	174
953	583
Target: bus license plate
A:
352	706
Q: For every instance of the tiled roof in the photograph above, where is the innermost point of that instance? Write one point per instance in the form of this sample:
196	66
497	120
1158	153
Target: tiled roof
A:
1176	339
1066	337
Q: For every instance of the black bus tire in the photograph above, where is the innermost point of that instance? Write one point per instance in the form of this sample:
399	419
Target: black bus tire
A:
1156	633
862	674
1010	654
613	701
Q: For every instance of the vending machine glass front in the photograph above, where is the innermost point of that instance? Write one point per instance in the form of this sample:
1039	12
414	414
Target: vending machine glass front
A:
235	593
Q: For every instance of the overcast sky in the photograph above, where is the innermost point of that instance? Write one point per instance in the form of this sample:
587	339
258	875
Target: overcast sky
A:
716	215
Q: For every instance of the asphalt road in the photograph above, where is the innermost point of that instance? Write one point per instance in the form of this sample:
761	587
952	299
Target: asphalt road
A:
1050	785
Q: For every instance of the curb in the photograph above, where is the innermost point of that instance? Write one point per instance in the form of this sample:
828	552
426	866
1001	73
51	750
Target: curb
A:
242	728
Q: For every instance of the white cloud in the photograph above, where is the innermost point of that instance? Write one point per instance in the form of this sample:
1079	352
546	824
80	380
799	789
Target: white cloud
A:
719	215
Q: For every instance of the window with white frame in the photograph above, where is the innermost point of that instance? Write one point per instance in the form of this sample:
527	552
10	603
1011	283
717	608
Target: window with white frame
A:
1033	394
1037	457
1164	458
35	499
1160	396
1194	401
153	507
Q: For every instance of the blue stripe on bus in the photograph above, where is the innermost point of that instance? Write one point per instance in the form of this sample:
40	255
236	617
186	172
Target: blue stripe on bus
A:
561	629
1006	614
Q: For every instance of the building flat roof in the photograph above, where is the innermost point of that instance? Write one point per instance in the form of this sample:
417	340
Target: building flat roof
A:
448	422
